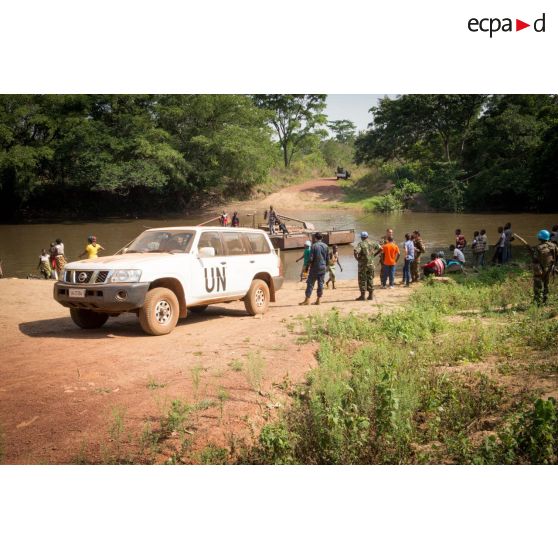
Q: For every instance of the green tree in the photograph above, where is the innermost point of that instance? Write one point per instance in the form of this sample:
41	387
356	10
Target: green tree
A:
224	141
113	143
295	118
26	136
126	151
545	168
337	154
343	130
419	127
508	148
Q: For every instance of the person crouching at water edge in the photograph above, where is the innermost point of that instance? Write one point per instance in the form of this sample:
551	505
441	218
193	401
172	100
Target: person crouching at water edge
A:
92	248
317	270
457	263
435	266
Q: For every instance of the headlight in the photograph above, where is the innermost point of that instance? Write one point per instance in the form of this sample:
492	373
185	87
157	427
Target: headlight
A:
126	276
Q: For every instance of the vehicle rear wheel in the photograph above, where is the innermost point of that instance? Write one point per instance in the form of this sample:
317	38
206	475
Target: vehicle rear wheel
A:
87	319
198	309
160	311
256	300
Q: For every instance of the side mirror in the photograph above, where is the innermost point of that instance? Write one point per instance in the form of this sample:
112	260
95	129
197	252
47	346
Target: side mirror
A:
206	252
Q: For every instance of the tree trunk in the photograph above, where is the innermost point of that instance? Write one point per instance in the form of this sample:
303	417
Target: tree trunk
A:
285	147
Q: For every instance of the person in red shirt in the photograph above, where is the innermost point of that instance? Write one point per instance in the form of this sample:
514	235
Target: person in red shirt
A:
390	256
434	267
460	241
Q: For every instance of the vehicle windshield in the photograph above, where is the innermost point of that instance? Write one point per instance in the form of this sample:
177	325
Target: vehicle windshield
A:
174	242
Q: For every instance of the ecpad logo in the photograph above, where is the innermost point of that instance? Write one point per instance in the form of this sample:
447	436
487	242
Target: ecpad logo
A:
492	25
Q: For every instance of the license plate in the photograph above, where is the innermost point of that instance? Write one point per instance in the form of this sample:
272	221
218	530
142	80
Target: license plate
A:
77	293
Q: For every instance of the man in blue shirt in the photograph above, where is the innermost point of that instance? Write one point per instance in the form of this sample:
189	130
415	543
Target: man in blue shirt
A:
317	270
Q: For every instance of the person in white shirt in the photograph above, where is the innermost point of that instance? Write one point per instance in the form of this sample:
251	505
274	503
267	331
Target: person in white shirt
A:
457	254
60	258
499	251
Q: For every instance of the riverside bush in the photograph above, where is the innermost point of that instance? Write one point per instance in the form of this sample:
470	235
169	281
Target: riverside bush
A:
531	437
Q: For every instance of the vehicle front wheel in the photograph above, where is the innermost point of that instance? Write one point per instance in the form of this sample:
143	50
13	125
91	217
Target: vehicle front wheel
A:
256	300
160	311
87	319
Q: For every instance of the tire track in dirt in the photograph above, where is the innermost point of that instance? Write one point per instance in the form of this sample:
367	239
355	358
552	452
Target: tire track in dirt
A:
60	385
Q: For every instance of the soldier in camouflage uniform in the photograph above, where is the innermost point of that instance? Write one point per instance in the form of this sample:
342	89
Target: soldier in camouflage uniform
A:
419	251
364	254
545	256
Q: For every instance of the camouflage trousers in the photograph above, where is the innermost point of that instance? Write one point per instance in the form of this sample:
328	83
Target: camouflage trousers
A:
540	286
366	278
415	269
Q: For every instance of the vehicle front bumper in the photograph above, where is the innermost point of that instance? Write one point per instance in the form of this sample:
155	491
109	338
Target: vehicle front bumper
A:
115	298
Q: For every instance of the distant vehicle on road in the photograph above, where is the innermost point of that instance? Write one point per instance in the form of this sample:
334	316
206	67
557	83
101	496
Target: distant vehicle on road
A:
342	173
166	272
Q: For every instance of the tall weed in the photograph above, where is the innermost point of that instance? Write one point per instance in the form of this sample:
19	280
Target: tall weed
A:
384	390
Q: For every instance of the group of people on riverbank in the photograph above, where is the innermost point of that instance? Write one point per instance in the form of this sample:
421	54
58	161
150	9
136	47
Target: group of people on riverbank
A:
226	221
52	261
270	216
318	259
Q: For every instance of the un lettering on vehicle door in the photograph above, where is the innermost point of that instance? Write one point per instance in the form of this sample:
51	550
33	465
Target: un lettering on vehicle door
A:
215	279
210	277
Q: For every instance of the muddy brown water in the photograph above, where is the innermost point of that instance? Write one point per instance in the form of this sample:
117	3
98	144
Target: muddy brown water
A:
20	245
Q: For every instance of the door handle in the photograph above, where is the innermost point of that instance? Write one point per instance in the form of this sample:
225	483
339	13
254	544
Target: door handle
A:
223	263
252	261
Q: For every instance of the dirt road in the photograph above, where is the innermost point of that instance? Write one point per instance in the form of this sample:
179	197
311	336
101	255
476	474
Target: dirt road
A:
309	195
62	389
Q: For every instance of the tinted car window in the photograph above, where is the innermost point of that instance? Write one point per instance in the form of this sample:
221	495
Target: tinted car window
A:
162	241
211	240
234	244
258	243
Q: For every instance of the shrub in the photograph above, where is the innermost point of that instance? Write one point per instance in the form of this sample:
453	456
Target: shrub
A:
532	437
388	203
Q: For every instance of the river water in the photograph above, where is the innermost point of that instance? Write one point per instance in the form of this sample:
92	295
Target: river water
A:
20	245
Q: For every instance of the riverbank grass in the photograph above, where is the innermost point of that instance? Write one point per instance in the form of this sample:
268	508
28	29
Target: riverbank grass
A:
364	190
463	374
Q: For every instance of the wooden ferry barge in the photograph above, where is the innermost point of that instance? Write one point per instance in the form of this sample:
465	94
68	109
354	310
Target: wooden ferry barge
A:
296	240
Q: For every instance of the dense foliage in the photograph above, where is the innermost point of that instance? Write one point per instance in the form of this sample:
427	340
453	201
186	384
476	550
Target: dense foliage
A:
128	152
470	152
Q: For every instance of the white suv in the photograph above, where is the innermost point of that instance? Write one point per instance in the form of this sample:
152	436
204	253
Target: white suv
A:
165	272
